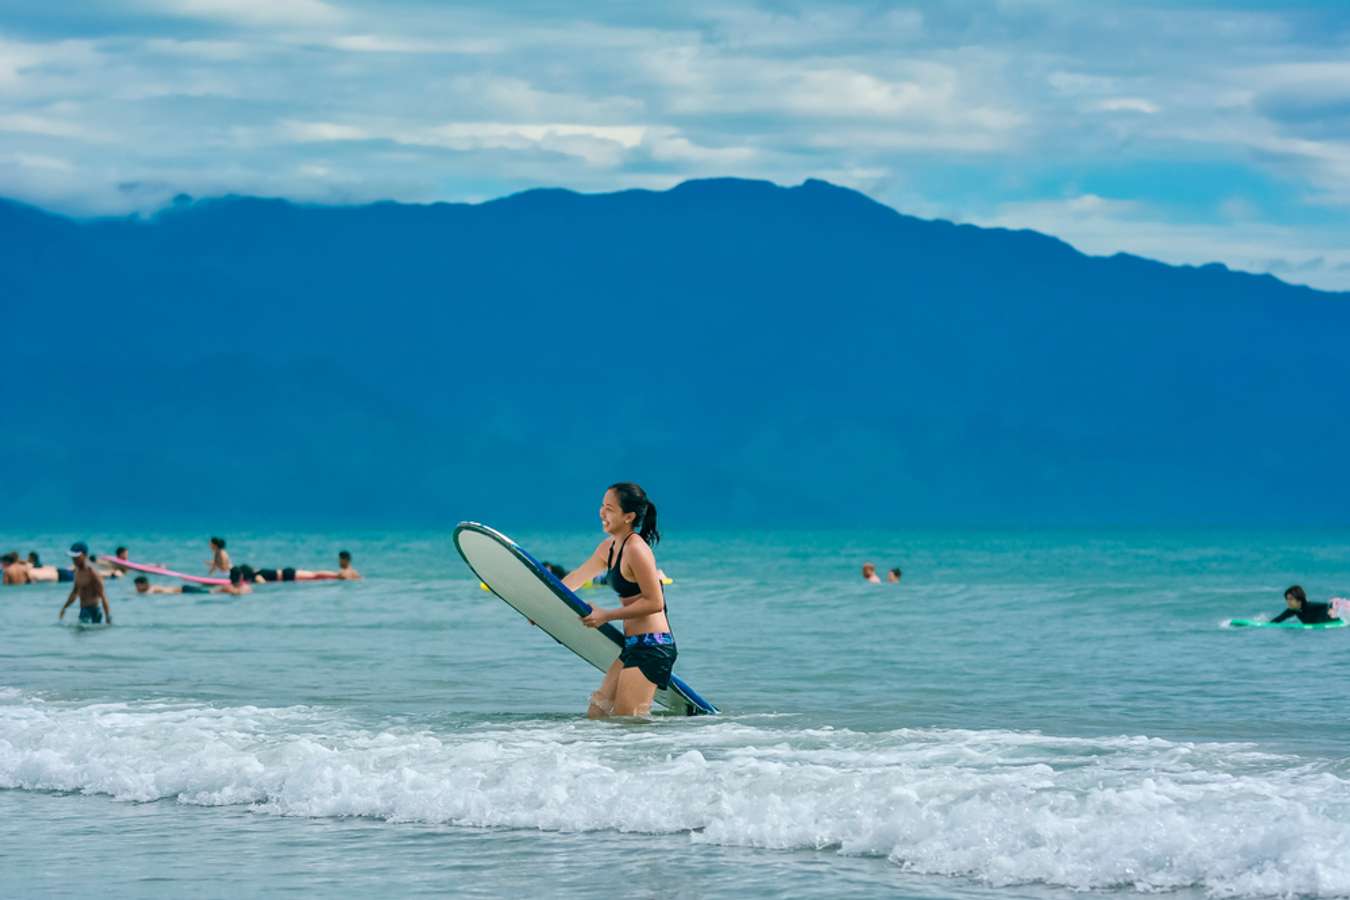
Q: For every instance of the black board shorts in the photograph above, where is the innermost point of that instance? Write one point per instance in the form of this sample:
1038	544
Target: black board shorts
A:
91	614
653	654
286	574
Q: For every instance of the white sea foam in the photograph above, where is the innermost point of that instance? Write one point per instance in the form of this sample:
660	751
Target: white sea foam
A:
1001	807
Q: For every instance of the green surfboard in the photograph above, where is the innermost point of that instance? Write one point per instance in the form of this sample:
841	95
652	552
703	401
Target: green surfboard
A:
1252	623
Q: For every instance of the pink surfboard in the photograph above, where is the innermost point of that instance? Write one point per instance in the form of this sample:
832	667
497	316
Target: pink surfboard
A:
157	570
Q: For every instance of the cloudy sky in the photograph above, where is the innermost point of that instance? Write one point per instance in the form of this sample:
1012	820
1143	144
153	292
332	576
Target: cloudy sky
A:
1184	131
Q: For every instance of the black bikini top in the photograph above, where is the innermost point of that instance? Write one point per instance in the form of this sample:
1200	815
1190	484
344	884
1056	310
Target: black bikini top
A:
622	586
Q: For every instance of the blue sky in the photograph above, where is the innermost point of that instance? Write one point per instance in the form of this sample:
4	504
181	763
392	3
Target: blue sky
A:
1188	132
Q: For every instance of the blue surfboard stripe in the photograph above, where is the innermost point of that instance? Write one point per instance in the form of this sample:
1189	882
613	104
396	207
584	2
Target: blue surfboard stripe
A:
565	594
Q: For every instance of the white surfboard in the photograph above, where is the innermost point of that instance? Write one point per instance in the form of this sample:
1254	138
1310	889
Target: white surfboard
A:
518	578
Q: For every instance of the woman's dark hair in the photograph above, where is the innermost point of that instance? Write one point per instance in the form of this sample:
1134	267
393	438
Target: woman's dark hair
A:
219	542
236	574
896	572
633	499
343	554
119	551
1297	593
34	559
141	579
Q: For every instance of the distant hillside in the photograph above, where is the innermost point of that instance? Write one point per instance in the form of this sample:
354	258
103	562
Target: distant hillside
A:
756	355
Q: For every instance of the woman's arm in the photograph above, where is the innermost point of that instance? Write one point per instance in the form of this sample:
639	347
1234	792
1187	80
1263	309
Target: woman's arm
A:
589	569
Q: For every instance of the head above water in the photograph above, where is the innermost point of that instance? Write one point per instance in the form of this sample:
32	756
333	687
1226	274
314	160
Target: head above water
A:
142	584
120	553
236	575
344	558
218	543
894	575
34	559
9	559
1294	597
869	569
627	507
79	552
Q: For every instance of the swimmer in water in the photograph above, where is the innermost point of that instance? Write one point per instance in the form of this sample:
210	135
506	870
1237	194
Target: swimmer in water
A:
220	560
37	573
88	587
346	571
630	684
109	566
869	572
16	571
143	586
893	576
1308	612
237	586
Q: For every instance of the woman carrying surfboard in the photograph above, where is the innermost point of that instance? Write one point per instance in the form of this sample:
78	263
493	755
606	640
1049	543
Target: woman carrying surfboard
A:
644	665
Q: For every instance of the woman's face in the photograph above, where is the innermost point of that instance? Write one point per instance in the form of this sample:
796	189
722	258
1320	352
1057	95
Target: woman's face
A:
612	516
1291	601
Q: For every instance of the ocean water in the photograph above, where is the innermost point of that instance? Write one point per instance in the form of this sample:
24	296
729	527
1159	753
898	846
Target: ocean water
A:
1026	715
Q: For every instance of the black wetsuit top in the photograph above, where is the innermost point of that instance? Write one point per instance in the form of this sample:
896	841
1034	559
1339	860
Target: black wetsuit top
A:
1309	613
622	586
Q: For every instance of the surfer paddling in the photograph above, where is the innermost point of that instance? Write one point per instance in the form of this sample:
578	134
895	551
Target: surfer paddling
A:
625	555
88	587
1308	612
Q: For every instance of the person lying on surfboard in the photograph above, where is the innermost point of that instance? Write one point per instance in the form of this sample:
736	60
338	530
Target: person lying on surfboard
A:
345	572
143	586
237	585
32	571
629	686
1308	612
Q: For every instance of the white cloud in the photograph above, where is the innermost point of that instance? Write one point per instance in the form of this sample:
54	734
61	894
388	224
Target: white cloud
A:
1128	104
323	131
251	12
52	127
378	43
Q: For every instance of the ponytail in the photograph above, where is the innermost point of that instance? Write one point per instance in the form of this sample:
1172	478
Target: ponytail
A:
633	499
648	530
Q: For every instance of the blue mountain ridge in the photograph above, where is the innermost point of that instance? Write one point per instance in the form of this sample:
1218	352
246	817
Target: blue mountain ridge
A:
754	354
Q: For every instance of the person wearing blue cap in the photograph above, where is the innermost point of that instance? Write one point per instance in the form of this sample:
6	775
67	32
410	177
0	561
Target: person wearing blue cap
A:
88	587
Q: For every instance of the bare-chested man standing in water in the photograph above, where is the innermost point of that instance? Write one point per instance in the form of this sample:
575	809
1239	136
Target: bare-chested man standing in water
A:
88	587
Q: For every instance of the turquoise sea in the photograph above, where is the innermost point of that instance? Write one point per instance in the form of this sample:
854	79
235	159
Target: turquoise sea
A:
1026	715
